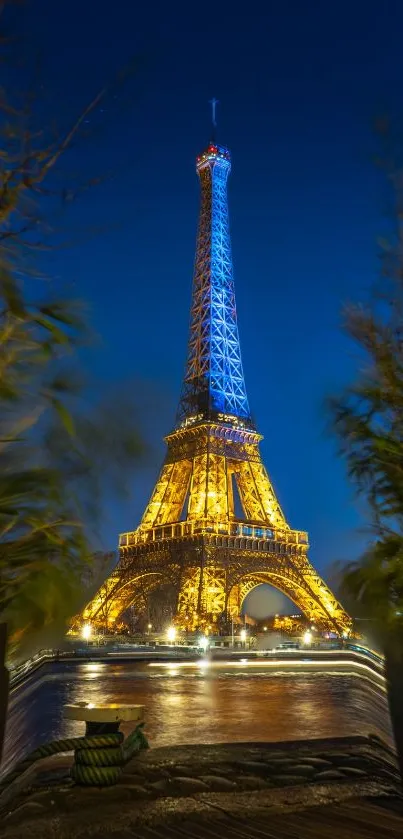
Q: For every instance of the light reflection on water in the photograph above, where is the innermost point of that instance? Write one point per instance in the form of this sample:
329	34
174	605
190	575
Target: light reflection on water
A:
198	704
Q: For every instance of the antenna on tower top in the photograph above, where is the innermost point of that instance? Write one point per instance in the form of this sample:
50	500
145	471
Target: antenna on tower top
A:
213	102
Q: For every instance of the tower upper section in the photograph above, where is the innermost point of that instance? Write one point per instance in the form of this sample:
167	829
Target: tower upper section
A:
213	387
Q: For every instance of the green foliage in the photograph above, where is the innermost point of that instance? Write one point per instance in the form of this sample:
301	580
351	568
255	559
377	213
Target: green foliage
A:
367	419
372	590
58	453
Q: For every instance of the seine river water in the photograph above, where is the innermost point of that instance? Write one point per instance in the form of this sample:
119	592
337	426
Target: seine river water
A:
199	703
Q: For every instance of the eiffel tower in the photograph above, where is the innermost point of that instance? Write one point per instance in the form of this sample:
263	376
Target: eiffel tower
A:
190	535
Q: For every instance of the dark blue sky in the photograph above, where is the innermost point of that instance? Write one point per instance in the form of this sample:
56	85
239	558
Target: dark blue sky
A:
299	84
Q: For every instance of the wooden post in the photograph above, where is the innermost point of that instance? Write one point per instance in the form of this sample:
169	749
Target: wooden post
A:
4	684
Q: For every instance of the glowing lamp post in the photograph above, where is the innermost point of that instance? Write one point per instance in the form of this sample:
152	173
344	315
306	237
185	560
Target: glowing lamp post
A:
203	643
171	634
243	636
307	639
86	632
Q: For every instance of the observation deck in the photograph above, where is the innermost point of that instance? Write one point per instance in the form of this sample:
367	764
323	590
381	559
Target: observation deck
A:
186	529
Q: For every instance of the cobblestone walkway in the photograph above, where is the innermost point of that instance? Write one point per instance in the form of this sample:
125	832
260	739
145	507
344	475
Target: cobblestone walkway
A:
237	790
353	820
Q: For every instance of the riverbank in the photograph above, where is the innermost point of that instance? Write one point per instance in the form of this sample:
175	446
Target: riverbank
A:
22	672
358	655
222	790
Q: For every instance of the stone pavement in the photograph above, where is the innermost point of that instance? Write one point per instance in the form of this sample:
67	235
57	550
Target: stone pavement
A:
239	790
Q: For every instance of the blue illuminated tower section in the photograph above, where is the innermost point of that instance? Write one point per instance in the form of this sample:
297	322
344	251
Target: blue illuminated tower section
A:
214	386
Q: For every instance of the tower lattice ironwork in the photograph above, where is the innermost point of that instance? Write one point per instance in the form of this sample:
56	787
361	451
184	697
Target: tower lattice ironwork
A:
190	535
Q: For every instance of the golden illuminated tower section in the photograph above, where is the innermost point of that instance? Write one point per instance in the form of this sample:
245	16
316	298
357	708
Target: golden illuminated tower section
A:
190	535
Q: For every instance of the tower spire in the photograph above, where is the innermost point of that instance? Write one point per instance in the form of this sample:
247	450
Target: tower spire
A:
213	102
214	383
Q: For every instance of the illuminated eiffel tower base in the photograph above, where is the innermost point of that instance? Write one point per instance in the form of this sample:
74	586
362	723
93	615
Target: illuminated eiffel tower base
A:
190	536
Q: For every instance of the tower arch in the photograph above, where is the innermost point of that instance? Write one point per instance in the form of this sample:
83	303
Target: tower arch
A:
309	604
118	594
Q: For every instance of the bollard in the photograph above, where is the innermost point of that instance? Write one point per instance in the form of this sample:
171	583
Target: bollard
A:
100	756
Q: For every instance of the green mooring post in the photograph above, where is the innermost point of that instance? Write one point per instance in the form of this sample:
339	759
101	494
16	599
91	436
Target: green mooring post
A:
100	755
4	685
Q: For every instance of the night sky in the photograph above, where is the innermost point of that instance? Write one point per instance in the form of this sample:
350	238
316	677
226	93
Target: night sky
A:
299	85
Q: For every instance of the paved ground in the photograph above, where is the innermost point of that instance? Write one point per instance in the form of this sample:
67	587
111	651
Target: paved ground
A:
345	788
356	819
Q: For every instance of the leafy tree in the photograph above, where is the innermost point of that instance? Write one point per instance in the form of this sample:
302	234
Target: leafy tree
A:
57	452
368	421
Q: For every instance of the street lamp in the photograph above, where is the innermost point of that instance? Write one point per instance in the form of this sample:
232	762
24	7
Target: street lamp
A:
150	626
307	639
171	634
203	643
86	632
243	636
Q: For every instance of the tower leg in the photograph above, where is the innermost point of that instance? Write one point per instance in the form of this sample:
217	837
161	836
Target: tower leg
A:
188	599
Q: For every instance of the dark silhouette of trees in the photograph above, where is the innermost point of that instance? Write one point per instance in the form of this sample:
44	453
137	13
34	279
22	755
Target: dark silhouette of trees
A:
368	421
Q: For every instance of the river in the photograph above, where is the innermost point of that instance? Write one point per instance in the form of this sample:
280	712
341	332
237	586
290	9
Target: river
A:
199	703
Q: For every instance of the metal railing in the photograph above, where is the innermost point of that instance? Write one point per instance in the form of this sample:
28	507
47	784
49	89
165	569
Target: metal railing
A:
181	529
